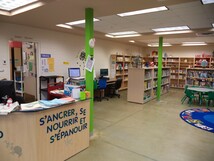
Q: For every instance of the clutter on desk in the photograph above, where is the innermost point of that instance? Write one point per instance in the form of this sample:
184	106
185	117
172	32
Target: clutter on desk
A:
9	107
44	104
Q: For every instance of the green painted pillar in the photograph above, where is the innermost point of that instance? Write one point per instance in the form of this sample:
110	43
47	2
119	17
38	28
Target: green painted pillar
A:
159	67
89	33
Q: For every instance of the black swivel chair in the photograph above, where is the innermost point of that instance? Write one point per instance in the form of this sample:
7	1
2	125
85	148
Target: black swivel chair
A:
7	90
115	87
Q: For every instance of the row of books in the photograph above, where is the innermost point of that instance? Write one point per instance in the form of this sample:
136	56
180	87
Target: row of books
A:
200	74
148	85
200	83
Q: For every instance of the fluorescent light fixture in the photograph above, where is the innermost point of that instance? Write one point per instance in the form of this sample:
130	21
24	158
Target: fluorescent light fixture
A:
138	12
177	28
207	1
5	13
156	44
64	26
26	8
9	5
173	32
21	9
132	41
107	35
123	34
193	43
80	22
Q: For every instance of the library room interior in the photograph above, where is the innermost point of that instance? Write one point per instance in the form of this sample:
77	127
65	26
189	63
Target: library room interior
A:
107	80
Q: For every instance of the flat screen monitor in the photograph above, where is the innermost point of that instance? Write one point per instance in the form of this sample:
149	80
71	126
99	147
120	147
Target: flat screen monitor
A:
74	72
103	72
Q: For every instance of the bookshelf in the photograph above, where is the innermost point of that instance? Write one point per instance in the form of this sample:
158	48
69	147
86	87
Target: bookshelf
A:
200	77
119	68
19	82
142	85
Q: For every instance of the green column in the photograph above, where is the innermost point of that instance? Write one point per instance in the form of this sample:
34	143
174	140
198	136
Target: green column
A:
89	33
159	67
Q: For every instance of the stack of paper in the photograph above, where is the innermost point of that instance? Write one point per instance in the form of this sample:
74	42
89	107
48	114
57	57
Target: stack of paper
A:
4	109
32	106
53	103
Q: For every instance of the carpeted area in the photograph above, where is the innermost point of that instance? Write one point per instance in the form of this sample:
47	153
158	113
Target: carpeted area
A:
201	118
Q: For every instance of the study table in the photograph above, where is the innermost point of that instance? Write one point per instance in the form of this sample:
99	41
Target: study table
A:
53	134
200	91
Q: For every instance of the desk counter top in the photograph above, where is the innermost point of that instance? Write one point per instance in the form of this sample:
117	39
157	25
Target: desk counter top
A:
54	134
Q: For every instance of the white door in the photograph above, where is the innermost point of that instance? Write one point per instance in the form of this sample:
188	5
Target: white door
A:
29	70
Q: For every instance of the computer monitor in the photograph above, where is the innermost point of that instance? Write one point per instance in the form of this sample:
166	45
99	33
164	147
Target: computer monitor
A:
103	72
73	72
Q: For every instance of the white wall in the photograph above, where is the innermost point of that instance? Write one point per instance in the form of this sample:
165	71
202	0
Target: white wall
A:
183	51
63	47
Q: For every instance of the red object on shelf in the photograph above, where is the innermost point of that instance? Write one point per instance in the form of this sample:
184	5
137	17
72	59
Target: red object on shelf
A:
55	86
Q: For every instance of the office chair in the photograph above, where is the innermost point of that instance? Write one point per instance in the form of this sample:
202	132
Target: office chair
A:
7	90
115	87
101	89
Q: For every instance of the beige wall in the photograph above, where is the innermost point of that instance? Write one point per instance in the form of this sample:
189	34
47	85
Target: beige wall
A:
63	47
183	51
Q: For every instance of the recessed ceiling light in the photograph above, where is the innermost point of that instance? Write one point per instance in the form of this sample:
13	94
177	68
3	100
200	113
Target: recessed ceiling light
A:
173	32
9	5
157	44
132	41
138	12
80	22
193	43
176	28
123	34
207	1
64	26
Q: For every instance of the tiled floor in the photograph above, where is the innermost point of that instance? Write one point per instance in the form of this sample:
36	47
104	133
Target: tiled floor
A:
150	132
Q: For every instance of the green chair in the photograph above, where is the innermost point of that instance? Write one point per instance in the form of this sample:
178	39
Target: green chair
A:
191	96
210	97
185	96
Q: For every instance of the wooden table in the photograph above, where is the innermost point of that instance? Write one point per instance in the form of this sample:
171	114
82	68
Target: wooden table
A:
54	134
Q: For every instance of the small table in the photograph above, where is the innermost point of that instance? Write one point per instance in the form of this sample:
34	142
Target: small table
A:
200	90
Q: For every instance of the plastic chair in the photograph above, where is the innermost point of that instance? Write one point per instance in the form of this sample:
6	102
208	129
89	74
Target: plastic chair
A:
115	87
190	95
210	97
101	89
185	96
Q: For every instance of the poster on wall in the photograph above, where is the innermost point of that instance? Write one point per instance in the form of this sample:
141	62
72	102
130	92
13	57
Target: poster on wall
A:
29	58
47	63
89	63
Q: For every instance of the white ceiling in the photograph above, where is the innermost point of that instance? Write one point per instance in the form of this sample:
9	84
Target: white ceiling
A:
181	12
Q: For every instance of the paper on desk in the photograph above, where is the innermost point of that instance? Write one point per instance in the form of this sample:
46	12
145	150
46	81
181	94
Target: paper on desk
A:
53	103
31	106
4	110
69	99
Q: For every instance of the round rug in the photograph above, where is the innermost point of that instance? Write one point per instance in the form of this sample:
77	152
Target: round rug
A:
201	118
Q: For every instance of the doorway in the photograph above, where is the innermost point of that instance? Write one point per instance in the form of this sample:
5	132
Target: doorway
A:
23	69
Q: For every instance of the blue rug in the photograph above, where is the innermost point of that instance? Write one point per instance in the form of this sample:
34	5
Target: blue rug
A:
201	118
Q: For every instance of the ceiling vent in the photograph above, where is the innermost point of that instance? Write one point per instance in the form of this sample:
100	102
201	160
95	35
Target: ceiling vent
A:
205	34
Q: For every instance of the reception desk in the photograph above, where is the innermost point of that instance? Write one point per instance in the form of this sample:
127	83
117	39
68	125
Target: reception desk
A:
53	134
